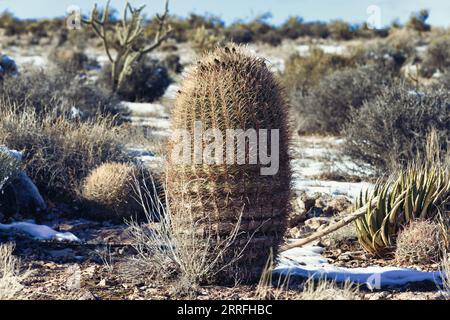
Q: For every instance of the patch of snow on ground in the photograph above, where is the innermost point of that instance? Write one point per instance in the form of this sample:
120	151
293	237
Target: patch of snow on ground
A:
39	232
34	60
305	49
171	91
308	262
145	108
335	188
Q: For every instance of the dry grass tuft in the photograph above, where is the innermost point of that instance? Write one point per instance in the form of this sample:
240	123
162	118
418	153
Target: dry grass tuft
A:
329	290
59	153
171	249
10	275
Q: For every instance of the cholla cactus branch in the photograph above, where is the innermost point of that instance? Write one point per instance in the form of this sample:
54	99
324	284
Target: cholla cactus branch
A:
126	38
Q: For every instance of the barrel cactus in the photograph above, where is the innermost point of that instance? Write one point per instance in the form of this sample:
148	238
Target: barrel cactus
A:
230	91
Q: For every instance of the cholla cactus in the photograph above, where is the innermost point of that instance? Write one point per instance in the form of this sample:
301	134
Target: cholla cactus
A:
127	39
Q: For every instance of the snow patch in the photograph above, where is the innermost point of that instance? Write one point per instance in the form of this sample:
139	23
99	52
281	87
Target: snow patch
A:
308	262
39	232
335	188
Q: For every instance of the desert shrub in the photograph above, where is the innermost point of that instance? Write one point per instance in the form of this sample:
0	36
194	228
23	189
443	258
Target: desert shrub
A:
172	63
11	24
57	91
418	21
59	153
148	81
205	39
109	191
419	242
327	108
11	277
239	35
302	73
390	129
69	59
437	57
388	55
340	30
271	37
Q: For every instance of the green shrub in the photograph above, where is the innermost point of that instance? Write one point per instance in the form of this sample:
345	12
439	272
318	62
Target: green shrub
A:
419	192
418	21
391	128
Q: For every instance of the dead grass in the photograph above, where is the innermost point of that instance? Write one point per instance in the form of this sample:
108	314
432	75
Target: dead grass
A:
59	153
10	275
173	249
311	289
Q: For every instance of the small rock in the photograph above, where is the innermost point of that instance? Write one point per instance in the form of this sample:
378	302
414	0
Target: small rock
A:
308	200
87	296
315	223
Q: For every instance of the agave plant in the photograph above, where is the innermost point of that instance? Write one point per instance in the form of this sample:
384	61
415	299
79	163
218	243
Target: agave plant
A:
417	193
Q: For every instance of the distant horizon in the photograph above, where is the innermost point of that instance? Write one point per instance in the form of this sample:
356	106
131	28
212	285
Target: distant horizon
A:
352	11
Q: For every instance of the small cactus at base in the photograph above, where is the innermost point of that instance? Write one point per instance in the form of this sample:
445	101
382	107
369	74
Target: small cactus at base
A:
419	243
109	191
230	89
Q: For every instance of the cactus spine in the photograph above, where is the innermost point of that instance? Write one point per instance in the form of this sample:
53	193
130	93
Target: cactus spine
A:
231	89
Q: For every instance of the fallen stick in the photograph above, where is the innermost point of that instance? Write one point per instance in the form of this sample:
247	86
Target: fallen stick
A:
319	234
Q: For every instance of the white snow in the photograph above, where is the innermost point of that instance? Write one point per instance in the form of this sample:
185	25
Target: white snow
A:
37	61
308	262
39	232
13	153
305	49
145	108
335	188
171	91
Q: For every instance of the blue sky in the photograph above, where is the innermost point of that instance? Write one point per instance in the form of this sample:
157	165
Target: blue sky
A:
230	10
